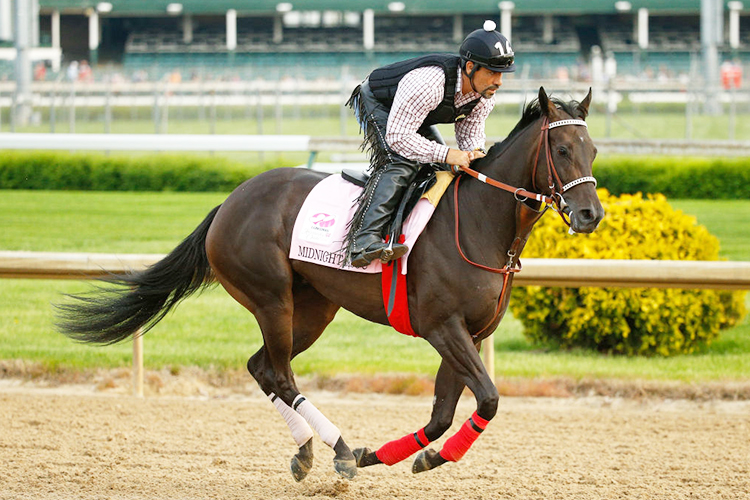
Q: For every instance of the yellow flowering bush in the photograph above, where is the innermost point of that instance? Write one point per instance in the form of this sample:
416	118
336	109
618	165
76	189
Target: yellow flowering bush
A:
632	321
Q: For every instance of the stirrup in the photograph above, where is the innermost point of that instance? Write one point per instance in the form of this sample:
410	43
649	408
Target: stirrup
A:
365	257
393	252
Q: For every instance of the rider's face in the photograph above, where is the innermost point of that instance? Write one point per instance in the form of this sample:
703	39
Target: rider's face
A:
486	82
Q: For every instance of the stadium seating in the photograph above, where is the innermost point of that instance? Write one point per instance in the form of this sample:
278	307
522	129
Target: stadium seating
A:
314	52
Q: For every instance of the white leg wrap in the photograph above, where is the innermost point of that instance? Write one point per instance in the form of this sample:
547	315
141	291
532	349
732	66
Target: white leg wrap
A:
328	432
301	432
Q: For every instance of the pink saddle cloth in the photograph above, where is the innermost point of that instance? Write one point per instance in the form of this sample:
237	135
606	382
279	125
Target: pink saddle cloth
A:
321	225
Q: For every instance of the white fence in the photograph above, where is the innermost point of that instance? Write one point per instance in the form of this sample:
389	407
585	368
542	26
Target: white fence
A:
543	272
211	142
62	103
296	92
155	142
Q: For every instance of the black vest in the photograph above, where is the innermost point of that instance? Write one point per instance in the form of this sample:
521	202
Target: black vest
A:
384	83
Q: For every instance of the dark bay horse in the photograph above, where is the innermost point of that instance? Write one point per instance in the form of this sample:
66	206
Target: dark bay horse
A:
453	304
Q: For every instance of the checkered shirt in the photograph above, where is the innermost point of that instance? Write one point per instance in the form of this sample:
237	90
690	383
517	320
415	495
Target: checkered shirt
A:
419	92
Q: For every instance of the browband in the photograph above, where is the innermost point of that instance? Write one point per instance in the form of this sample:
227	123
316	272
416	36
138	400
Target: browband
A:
560	123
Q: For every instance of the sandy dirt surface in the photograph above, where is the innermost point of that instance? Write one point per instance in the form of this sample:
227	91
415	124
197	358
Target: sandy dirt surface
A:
78	442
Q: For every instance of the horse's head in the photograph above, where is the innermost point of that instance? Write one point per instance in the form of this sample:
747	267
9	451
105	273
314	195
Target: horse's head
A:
565	168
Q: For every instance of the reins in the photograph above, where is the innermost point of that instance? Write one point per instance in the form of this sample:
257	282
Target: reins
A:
526	217
507	187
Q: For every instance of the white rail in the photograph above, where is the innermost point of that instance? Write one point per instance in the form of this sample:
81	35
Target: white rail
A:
542	272
213	142
155	142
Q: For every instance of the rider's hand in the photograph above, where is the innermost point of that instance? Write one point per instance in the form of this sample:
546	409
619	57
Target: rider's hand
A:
462	158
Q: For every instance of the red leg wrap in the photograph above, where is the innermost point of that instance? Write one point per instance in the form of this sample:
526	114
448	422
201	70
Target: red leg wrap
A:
397	450
457	445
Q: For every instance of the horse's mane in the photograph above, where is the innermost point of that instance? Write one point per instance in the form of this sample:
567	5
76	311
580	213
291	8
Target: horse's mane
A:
531	113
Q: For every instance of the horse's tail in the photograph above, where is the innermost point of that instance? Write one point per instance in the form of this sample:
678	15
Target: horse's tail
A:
139	300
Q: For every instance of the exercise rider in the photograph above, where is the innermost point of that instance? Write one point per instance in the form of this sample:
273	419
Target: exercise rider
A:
398	105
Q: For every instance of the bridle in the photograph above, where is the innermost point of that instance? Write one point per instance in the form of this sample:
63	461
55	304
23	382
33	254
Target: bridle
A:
552	170
554	200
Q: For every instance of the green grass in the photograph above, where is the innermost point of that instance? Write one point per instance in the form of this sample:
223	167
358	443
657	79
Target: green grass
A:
210	330
63	221
727	220
727	358
213	330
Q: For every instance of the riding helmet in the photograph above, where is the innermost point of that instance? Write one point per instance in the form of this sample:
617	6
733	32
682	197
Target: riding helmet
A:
488	48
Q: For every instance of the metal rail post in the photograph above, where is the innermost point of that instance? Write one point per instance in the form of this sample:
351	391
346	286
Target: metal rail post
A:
138	363
488	355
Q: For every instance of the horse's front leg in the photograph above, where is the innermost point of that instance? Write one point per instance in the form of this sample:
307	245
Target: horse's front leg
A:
458	351
448	389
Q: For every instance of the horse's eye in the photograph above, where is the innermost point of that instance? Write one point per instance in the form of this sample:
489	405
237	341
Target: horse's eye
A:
562	151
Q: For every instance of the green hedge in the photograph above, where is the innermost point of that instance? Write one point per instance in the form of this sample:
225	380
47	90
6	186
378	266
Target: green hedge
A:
675	177
631	321
99	172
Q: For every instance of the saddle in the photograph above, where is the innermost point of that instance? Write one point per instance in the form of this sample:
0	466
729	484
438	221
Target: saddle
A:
425	179
321	226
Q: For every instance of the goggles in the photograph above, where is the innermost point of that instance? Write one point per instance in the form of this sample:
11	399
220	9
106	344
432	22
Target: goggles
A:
498	62
501	62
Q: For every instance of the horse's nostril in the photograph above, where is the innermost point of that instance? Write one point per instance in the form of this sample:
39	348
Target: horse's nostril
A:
587	215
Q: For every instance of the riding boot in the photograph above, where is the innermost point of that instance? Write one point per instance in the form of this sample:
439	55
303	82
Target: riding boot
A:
392	182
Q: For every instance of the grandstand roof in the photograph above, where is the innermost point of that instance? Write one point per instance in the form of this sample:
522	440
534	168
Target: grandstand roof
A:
155	7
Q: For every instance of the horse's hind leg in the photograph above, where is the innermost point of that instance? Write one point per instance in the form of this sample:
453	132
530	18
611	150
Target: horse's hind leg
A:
312	313
262	370
301	464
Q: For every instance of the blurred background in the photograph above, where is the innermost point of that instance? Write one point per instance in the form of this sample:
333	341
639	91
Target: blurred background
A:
262	66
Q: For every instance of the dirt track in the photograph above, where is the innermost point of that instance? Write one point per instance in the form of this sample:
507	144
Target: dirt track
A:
76	442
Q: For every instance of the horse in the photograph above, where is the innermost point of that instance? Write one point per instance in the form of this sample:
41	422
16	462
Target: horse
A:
453	302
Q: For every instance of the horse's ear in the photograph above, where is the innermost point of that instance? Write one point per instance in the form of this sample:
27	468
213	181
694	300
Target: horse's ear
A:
583	107
547	106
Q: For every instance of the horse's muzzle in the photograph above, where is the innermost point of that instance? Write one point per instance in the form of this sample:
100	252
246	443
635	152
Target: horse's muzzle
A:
585	219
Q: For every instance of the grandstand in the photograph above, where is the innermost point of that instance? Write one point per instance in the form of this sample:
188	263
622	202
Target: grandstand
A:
306	39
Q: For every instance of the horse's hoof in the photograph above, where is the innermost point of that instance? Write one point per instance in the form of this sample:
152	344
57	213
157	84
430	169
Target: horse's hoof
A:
366	457
346	468
359	454
426	460
299	469
302	462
